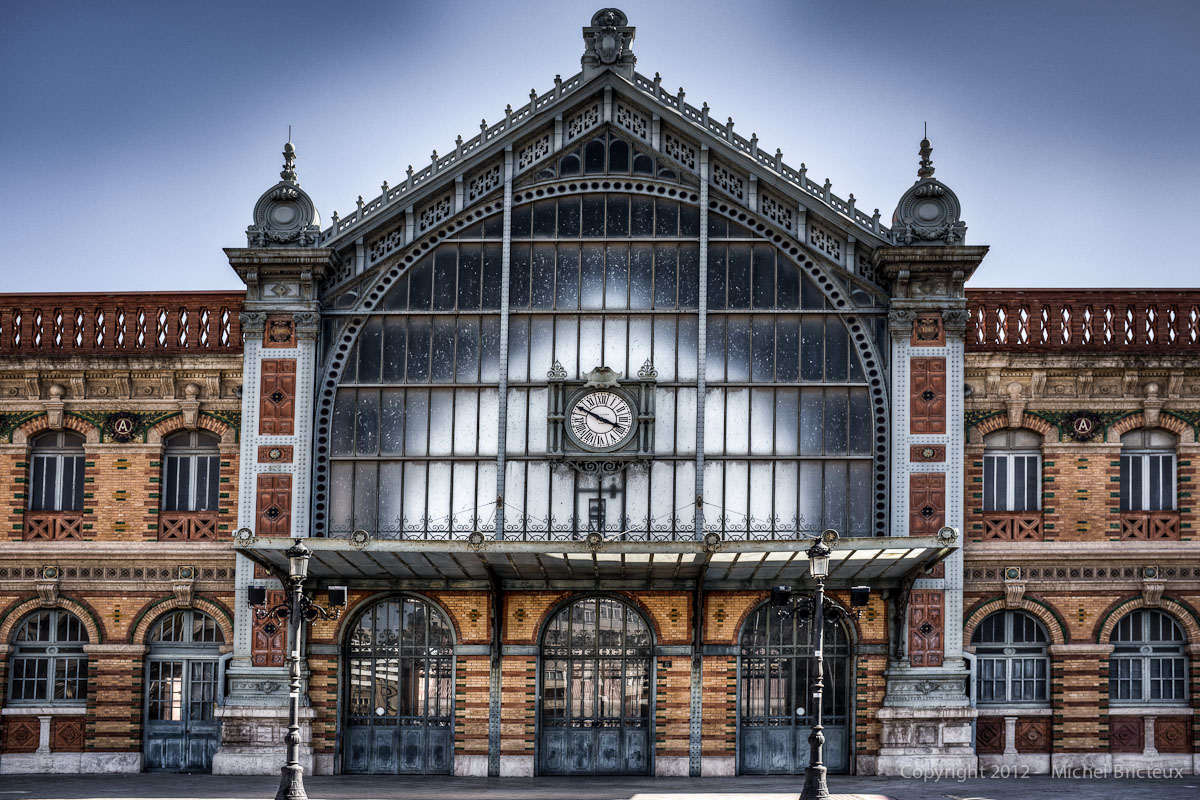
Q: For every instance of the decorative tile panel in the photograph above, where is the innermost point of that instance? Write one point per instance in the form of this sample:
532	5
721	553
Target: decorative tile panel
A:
277	406
1126	735
1173	734
989	736
434	213
633	122
681	151
274	515
926	503
922	453
825	241
777	212
928	331
583	122
926	627
1033	735
484	182
275	454
730	182
66	735
21	734
279	331
927	398
533	152
268	647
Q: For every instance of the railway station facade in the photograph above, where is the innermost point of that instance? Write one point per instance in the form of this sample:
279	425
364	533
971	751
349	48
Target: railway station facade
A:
559	410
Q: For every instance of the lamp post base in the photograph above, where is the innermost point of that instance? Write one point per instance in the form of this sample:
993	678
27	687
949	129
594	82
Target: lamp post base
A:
815	787
291	783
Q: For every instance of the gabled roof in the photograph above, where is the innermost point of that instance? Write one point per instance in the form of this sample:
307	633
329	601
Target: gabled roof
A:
604	94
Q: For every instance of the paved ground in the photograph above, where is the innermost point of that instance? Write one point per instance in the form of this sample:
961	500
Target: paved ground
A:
356	787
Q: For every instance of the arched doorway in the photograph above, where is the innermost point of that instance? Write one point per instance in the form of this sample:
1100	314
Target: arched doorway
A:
775	670
183	690
596	671
400	681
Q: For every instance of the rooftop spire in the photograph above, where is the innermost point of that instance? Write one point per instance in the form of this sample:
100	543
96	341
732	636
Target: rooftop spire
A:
926	169
289	160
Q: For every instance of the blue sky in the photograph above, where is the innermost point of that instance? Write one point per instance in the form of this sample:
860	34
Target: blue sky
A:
137	136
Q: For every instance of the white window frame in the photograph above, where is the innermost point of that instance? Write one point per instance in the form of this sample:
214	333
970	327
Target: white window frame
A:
1148	651
1006	652
60	454
1146	456
192	452
1005	456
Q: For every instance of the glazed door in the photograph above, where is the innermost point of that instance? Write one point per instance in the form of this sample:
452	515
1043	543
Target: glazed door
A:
775	672
182	731
401	680
595	691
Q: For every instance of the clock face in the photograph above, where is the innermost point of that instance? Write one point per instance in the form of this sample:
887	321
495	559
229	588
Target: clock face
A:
600	420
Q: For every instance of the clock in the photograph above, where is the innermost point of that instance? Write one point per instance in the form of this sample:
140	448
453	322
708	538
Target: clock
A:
600	420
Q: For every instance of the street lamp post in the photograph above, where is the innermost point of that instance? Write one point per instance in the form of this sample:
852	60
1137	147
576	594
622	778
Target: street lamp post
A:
815	787
297	610
815	609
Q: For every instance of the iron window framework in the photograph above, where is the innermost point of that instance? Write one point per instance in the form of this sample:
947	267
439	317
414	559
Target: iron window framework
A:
180	641
1011	660
48	663
191	472
1012	471
56	472
1148	470
1147	661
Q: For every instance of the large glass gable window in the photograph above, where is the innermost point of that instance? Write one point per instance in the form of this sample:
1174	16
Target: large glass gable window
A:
751	345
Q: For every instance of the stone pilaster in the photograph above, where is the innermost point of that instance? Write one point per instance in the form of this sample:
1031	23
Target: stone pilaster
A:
926	716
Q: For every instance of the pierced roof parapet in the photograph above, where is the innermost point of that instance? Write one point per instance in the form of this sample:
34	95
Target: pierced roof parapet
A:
463	150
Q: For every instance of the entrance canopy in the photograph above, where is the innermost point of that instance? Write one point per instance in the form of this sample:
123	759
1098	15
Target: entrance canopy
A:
463	563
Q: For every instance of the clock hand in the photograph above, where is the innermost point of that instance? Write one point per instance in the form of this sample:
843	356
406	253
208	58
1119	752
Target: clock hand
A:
591	413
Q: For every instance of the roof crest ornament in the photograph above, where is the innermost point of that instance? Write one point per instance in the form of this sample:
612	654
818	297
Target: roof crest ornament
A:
607	44
928	213
926	168
285	216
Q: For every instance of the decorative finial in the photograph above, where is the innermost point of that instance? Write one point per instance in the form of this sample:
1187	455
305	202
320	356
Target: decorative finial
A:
289	160
926	169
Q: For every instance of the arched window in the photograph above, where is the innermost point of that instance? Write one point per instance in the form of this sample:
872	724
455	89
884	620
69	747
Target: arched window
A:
1147	661
191	472
56	472
1012	471
1011	665
48	662
1148	470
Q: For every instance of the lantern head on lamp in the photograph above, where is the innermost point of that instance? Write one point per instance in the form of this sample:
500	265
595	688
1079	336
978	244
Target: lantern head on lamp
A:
298	556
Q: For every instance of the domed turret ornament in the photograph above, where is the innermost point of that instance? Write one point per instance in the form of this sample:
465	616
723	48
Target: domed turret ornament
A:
928	213
285	215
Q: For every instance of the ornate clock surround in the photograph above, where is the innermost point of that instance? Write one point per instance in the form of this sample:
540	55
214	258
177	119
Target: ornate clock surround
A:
562	448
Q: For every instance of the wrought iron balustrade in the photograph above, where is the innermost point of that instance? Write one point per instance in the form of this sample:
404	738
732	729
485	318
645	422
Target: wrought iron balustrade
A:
135	323
1092	321
53	525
